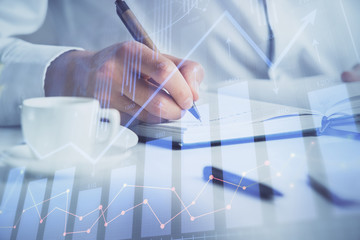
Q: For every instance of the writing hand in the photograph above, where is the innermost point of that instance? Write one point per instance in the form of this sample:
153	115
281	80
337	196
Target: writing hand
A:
106	75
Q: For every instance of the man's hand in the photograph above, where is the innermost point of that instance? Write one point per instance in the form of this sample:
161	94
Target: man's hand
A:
125	76
353	75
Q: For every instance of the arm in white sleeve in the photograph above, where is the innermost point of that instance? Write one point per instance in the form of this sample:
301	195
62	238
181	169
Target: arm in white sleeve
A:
23	68
22	65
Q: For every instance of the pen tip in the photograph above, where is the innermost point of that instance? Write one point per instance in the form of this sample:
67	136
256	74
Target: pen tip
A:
195	113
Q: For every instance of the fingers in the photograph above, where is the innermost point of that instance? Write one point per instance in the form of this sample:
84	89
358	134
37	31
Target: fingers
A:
353	75
193	73
160	104
128	109
163	71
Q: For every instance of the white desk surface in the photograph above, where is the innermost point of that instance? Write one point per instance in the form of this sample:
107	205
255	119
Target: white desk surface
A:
169	180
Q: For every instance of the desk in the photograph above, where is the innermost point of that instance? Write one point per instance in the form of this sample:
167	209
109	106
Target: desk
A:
156	193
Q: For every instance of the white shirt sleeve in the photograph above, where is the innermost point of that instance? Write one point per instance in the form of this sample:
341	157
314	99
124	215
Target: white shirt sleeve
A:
22	65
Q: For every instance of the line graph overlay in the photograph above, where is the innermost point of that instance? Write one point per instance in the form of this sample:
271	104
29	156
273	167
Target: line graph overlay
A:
56	220
241	208
88	212
29	223
157	216
117	211
248	168
10	201
155	159
292	208
195	193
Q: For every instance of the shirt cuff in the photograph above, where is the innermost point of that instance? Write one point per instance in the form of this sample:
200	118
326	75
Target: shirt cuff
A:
24	67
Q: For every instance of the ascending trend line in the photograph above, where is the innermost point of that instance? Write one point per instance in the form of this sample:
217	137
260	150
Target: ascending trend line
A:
309	19
315	45
349	30
162	223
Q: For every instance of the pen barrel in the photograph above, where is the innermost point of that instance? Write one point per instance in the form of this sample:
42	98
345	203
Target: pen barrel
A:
133	25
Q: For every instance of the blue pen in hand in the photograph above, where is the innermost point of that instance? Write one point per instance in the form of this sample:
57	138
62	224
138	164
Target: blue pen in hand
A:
139	34
239	183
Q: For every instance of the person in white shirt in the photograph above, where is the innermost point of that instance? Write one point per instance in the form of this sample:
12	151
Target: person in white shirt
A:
80	48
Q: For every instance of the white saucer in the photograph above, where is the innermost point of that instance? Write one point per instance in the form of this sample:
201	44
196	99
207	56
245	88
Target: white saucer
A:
21	155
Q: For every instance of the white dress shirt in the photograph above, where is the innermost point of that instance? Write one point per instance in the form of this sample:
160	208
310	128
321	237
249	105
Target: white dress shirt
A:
229	38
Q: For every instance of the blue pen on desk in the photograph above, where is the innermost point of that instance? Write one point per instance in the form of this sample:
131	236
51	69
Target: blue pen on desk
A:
239	183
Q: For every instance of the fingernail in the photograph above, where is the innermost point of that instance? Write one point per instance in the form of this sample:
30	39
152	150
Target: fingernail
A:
188	103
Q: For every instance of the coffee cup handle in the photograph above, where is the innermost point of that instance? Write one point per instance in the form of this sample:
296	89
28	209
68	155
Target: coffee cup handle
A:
113	117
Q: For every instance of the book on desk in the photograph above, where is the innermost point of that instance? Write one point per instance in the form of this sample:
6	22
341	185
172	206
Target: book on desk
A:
230	120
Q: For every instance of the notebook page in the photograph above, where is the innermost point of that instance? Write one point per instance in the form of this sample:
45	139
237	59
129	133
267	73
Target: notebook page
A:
232	115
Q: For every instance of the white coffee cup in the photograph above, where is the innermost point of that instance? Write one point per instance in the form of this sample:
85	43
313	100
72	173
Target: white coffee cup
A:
52	124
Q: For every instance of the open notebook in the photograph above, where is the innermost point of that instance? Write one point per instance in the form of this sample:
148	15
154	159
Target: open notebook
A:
227	119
